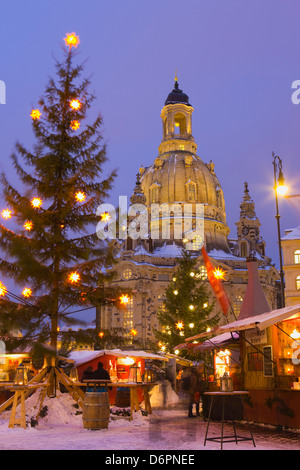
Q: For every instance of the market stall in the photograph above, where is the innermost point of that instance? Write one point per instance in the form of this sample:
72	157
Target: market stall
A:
270	361
119	364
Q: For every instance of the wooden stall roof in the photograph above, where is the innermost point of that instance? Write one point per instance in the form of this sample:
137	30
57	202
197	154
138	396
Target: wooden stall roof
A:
81	357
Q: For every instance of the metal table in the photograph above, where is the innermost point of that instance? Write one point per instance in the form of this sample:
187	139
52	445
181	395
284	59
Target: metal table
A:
231	438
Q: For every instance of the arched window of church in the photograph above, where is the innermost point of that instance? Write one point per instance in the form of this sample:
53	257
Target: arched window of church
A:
191	192
179	124
197	242
127	273
297	257
128	320
244	249
237	304
155	194
298	282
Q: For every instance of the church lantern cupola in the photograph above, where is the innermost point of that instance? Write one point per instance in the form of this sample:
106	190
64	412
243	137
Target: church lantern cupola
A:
176	117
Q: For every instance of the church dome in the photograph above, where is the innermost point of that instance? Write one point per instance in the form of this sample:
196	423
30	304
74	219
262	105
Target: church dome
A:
177	96
178	176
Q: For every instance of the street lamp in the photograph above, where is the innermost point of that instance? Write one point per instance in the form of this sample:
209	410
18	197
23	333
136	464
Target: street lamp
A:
280	189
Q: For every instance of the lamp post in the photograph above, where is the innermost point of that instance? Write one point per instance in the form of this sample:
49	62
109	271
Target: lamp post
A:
280	189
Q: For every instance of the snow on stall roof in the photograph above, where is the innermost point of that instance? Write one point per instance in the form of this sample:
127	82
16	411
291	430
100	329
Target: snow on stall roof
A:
82	357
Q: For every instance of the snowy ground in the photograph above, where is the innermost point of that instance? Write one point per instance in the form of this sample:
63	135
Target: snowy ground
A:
166	429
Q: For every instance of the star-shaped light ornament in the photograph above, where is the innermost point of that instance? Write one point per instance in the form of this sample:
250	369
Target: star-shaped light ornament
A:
27	292
75	125
74	277
35	114
3	290
124	299
179	325
133	332
105	217
71	40
6	214
75	104
36	202
28	225
219	273
80	196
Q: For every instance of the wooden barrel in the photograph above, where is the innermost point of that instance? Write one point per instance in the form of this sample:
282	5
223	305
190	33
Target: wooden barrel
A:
96	410
123	397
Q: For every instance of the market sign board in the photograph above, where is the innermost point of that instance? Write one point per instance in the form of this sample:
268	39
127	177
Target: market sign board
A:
255	336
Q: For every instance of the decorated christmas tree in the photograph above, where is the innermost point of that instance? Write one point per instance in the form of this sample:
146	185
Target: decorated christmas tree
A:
53	253
187	308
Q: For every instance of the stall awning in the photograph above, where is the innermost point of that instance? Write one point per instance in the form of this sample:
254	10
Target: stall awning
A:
261	322
218	342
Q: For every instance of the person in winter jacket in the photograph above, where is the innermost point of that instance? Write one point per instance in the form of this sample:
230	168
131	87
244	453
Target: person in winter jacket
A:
189	385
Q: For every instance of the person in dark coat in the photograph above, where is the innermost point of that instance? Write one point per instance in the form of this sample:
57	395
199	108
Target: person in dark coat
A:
100	373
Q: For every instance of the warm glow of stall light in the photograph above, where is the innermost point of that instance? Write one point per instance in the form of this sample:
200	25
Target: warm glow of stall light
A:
6	214
28	225
124	299
27	292
75	105
74	277
71	40
105	217
36	202
179	325
75	125
125	361
3	290
295	334
80	196
35	114
219	273
185	240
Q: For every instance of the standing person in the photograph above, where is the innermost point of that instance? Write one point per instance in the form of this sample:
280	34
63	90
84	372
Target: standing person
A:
189	382
100	373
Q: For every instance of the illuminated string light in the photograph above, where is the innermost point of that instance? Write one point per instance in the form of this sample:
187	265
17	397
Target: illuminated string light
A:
35	114
124	299
179	325
219	273
27	292
3	290
28	225
105	217
71	40
80	196
36	202
133	332
75	125
74	277
75	104
6	214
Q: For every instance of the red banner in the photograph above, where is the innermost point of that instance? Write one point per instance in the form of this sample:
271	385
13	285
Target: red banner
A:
215	283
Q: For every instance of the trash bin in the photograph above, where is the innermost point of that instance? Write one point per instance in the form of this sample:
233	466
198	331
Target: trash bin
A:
122	397
96	410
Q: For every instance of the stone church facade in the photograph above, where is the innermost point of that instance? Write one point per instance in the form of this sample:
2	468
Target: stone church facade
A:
176	178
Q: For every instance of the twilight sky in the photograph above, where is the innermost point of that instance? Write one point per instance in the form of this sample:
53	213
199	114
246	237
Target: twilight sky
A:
235	59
